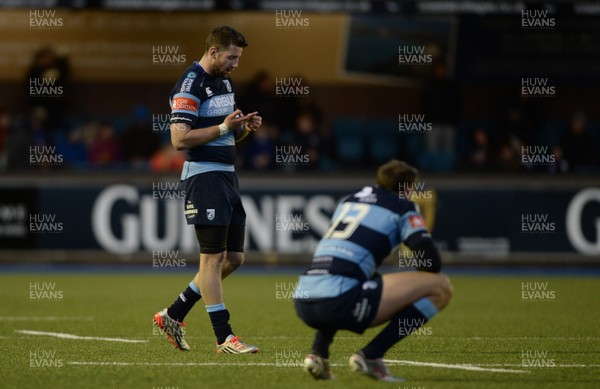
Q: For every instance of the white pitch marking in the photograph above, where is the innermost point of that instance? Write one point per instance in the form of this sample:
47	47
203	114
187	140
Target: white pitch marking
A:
449	337
170	364
454	366
461	367
46	318
77	337
520	365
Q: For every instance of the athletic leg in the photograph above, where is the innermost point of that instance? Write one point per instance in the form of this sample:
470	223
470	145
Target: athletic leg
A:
236	234
403	289
321	343
316	362
409	300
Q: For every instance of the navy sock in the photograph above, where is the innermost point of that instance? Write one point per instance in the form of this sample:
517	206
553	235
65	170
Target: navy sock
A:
323	340
184	302
219	317
401	325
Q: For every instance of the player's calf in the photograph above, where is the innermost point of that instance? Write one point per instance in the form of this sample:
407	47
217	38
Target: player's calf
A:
233	261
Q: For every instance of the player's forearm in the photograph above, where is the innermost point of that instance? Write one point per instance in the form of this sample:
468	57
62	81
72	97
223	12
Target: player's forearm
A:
426	249
190	138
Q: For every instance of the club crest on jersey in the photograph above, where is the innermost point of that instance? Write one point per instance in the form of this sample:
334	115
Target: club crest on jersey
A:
209	92
369	285
191	75
210	213
227	85
366	195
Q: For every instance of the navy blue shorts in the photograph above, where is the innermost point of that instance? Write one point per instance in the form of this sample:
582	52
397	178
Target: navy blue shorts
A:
213	199
353	310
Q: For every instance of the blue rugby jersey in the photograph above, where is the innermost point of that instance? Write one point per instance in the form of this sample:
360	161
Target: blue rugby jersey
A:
365	228
201	100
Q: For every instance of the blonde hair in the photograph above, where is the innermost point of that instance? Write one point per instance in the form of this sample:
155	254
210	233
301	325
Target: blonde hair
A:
394	172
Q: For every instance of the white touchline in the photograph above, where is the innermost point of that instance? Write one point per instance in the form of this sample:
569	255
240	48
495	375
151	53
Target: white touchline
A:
544	367
454	366
46	318
442	365
71	336
170	364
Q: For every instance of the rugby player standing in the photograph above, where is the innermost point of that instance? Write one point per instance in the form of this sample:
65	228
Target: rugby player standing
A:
342	290
206	123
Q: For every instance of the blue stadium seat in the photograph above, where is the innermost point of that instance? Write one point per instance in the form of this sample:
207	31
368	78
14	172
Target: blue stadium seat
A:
551	132
349	139
437	162
383	139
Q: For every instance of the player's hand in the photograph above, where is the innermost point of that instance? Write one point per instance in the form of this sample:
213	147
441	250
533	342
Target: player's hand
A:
253	121
234	120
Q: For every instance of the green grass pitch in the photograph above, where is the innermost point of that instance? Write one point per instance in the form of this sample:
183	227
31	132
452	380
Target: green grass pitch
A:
488	337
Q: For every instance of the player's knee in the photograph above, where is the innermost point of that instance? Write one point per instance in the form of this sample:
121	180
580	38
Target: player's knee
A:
234	259
214	259
446	290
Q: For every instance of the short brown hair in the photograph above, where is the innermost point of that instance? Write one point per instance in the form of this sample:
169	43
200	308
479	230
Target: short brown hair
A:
394	172
224	36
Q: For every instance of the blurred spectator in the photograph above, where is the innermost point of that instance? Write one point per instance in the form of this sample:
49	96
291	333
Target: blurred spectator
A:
105	150
38	126
560	165
289	106
577	145
139	142
259	153
47	80
74	148
507	157
308	136
260	96
479	155
441	105
167	160
522	120
5	129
